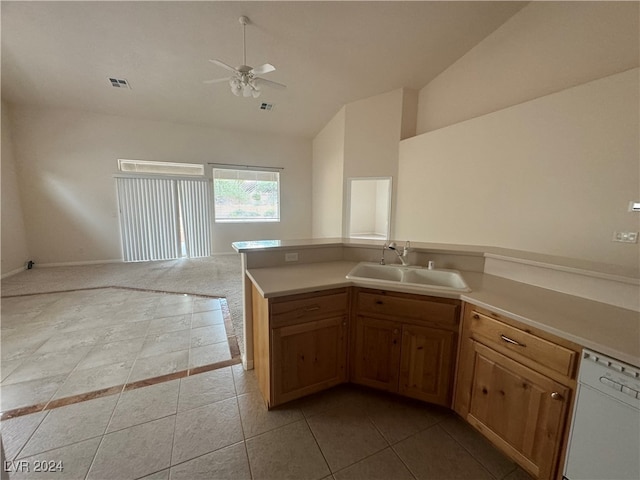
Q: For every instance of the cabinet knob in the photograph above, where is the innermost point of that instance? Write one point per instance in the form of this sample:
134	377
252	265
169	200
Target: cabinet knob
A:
476	316
556	396
396	331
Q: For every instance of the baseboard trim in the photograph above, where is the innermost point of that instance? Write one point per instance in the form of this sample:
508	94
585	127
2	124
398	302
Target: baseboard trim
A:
100	262
12	272
76	264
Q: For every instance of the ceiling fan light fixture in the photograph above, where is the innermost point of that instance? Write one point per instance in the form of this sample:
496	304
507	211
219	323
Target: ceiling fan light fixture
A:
254	89
236	86
244	77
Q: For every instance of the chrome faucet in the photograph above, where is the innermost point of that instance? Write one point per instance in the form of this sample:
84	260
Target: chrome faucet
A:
402	255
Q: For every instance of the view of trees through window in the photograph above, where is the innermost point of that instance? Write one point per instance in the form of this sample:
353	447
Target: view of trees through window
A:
246	196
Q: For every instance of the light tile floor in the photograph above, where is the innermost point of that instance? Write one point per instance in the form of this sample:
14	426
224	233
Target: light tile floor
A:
211	425
60	345
214	425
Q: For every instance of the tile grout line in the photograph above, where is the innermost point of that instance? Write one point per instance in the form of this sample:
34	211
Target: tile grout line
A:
104	434
306	420
173	433
17	455
467	450
55	403
115	287
244	434
15	413
65	381
146	333
392	445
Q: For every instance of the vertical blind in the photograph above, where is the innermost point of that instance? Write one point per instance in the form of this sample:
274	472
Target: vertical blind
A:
159	215
195	208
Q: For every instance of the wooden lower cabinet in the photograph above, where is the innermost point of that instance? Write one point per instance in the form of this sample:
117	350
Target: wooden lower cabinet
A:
308	357
519	409
397	353
513	383
300	343
427	364
376	353
513	397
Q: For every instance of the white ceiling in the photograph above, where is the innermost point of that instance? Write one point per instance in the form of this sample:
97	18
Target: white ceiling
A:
61	54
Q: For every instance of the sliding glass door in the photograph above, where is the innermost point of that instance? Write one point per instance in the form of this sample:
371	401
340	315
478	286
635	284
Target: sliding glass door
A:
164	218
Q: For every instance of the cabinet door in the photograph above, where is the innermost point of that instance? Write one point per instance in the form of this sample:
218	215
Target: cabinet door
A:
376	353
426	366
520	410
307	358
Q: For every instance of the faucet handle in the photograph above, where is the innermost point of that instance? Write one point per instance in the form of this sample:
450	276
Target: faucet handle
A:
431	265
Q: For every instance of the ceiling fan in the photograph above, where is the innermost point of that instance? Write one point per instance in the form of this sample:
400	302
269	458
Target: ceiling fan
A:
245	79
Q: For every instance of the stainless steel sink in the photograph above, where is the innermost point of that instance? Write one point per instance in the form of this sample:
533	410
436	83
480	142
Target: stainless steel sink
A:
410	276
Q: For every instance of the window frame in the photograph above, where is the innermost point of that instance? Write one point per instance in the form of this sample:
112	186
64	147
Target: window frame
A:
173	168
246	171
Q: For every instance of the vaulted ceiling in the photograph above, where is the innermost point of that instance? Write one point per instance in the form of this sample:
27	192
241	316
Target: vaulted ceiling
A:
62	54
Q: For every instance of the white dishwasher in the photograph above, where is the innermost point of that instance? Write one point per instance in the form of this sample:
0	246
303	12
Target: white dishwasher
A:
604	443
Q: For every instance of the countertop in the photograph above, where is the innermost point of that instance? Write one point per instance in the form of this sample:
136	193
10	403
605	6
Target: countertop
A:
604	328
628	273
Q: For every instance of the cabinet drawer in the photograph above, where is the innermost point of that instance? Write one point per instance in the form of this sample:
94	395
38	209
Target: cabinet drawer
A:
307	307
543	352
444	312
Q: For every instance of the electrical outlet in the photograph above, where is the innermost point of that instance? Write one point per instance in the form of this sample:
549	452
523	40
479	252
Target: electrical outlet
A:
625	237
291	257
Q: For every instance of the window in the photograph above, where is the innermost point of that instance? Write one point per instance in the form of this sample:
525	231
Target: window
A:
160	168
246	195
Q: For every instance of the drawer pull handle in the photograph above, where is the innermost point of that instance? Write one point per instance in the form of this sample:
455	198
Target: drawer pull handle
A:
511	341
556	396
312	308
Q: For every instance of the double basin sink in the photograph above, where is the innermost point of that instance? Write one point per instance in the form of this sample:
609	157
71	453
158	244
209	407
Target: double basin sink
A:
409	276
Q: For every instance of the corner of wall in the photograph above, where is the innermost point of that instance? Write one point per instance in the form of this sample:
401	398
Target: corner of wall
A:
14	237
327	176
408	127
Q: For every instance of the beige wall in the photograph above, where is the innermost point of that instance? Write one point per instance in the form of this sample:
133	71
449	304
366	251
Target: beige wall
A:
544	48
15	251
66	161
372	132
553	175
360	141
327	178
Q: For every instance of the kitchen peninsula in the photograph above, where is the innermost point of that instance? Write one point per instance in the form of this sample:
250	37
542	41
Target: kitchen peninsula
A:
513	342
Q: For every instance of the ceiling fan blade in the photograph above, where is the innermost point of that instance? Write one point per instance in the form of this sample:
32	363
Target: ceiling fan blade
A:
262	69
269	83
217	80
223	65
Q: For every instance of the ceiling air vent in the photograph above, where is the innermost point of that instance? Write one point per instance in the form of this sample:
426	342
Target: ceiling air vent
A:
266	106
119	83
